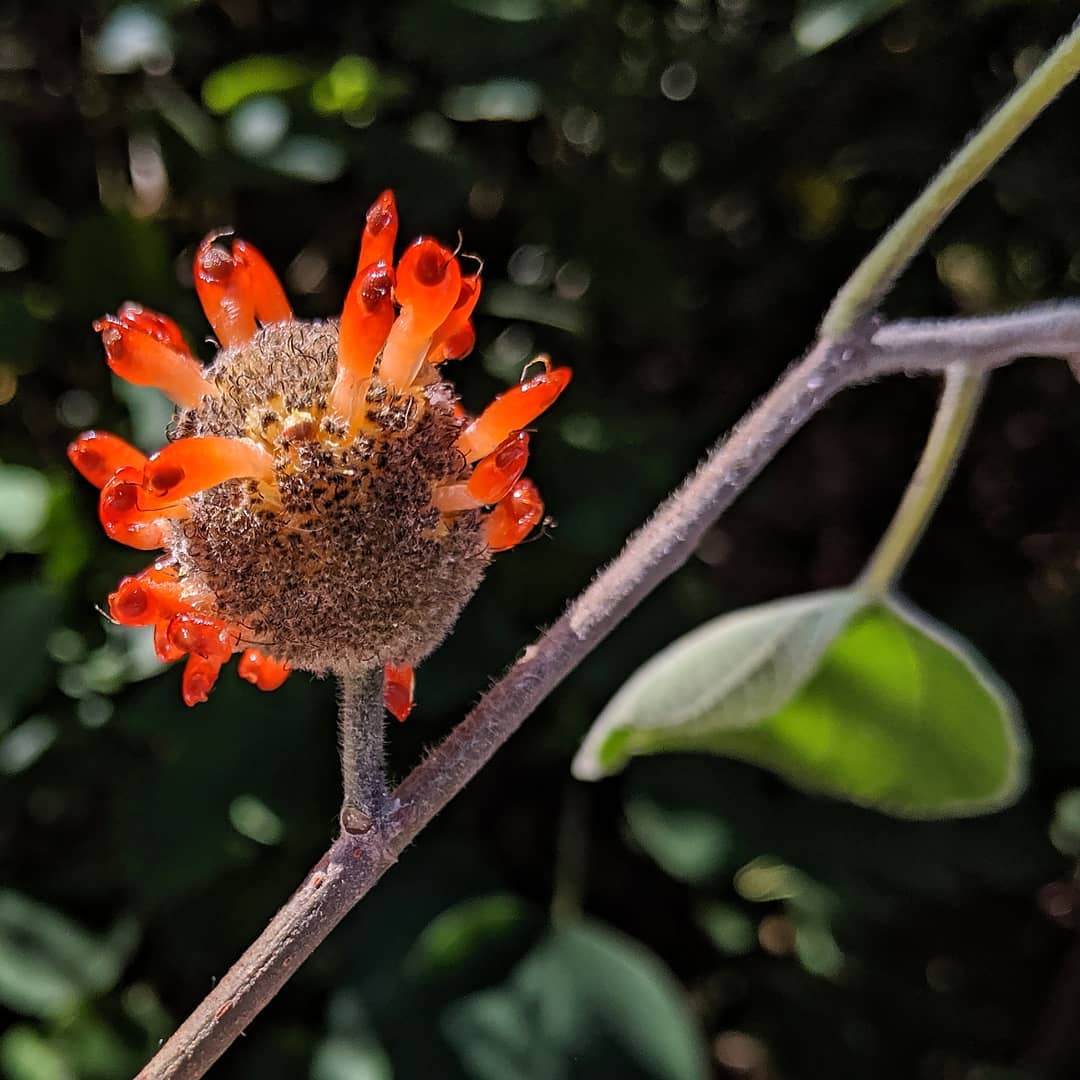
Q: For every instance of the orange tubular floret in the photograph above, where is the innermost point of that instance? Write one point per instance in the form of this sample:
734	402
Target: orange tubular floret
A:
365	321
263	671
237	287
514	517
194	464
164	649
515	409
200	674
399	683
124	515
97	455
456	337
380	232
427	288
263	287
153	323
495	476
139	350
147	598
203	635
450	498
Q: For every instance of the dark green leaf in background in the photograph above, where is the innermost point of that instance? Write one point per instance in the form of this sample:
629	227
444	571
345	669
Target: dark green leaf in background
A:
48	964
586	1002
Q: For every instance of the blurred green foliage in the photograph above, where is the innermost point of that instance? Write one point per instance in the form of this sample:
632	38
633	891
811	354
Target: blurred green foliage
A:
666	196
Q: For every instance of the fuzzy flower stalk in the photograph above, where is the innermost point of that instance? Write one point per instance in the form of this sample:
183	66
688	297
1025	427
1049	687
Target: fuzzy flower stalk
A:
324	502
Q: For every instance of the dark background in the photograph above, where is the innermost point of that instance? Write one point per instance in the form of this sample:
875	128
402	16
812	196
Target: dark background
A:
666	197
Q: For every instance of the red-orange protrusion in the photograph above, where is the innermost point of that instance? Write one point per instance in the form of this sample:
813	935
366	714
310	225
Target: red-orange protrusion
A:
147	598
380	232
456	337
399	683
264	289
98	454
141	347
515	409
153	323
514	517
203	635
237	287
427	288
199	462
200	674
263	671
164	649
365	321
124	515
220	286
495	475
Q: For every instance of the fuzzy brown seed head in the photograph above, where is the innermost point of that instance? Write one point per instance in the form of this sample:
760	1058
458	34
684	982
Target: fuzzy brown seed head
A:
343	561
324	502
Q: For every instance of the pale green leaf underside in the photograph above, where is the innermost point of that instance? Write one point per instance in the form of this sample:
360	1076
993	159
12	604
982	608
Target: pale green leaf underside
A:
732	672
901	716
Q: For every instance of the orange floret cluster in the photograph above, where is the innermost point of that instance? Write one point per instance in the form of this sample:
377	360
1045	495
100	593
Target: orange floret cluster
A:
325	502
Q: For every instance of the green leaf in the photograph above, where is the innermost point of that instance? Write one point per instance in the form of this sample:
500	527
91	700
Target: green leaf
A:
732	931
730	673
47	962
463	930
902	717
896	714
351	1050
688	839
94	1048
345	1057
228	86
586	1002
25	1054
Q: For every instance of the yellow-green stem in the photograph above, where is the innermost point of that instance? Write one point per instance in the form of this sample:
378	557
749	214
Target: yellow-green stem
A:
876	273
959	402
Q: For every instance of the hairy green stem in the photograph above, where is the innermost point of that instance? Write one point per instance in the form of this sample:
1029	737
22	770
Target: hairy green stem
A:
952	422
875	274
363	753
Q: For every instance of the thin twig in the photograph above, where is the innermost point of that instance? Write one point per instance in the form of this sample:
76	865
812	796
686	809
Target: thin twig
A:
353	865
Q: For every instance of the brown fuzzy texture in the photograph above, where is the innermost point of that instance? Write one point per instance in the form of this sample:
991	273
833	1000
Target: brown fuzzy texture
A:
348	564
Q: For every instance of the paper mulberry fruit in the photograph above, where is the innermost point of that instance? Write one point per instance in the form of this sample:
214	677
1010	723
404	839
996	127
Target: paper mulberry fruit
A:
324	502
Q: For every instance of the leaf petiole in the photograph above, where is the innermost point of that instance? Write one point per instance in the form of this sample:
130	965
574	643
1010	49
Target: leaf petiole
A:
956	410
